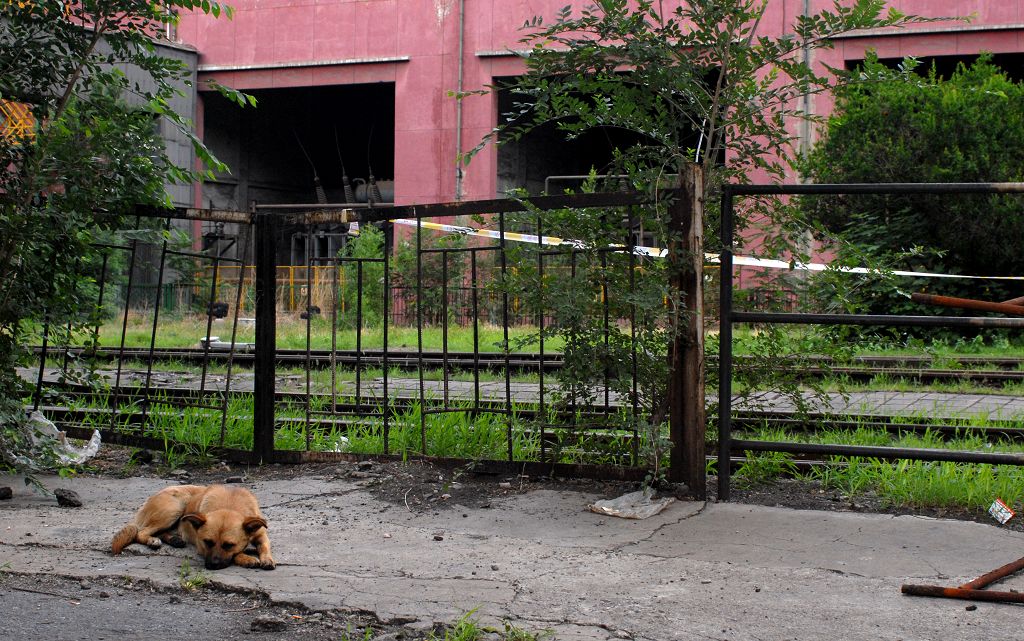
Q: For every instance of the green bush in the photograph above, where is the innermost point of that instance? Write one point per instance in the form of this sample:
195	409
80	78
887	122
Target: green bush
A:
901	126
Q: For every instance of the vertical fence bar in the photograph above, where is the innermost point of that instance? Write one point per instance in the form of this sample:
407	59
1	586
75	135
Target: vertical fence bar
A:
419	332
388	244
504	325
476	329
359	334
444	325
244	253
634	396
725	346
334	341
309	330
146	401
266	338
540	332
606	331
124	328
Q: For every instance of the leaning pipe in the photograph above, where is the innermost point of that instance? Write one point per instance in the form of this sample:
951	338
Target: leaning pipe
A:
1011	309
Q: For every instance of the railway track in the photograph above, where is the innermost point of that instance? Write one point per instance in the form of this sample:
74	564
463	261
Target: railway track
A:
987	371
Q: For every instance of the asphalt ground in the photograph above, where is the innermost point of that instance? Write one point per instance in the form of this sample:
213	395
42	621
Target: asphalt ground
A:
539	559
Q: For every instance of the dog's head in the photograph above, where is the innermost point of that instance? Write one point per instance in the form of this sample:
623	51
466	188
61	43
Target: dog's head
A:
221	534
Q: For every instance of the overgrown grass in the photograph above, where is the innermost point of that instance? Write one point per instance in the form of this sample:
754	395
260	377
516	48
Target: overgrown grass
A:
186	331
898	484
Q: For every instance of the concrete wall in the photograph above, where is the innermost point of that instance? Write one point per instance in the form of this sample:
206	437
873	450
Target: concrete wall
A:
415	44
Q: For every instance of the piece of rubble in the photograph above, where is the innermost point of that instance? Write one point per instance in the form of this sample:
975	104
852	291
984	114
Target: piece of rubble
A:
67	498
6	493
268	624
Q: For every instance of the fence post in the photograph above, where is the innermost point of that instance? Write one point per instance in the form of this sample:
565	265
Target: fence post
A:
264	372
686	353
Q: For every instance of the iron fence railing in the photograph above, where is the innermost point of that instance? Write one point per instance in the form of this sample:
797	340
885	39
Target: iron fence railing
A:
728	446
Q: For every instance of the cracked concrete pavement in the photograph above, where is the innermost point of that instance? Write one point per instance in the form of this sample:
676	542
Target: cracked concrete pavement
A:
716	571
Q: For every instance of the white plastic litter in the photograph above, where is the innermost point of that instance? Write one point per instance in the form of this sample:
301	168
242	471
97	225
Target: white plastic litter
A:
43	429
341	444
1000	511
635	505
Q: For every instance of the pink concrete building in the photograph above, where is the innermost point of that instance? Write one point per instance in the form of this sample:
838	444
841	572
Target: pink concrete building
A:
369	83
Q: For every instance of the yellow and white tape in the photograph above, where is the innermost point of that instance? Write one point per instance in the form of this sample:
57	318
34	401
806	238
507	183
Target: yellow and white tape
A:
656	252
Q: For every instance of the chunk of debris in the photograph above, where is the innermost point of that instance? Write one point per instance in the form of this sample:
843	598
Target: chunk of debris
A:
268	624
6	493
67	498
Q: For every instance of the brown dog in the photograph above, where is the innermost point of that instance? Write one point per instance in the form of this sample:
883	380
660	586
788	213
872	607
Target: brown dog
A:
222	522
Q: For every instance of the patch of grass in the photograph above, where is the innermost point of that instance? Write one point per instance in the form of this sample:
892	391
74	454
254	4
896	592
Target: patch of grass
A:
191	579
187	330
903	483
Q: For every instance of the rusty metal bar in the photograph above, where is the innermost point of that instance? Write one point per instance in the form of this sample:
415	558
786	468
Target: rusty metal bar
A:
962	593
994	575
877	319
968	303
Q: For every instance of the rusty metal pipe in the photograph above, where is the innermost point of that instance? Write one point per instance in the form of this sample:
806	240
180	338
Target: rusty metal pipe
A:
968	303
994	575
962	593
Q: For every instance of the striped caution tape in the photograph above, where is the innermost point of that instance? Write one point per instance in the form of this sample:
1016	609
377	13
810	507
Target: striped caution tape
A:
656	252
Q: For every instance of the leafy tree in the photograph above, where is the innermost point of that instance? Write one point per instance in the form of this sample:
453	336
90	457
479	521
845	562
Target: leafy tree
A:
898	125
694	82
90	156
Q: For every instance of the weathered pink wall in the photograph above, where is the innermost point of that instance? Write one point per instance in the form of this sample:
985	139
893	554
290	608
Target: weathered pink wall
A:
415	44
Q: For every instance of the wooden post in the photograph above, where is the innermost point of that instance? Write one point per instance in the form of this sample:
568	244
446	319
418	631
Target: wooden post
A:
686	352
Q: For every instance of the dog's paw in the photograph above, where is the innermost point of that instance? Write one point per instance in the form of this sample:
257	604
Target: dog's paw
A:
175	541
154	543
267	563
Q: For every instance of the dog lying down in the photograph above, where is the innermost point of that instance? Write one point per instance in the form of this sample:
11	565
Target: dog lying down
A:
223	523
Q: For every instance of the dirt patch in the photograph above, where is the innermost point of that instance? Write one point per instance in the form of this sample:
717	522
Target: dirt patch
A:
422	486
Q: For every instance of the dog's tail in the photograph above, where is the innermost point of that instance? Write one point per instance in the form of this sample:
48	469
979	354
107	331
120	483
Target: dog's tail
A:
125	537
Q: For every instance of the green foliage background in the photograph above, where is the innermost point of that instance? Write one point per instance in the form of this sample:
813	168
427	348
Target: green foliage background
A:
897	125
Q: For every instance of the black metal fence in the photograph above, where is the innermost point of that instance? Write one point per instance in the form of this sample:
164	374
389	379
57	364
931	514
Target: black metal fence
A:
237	399
729	316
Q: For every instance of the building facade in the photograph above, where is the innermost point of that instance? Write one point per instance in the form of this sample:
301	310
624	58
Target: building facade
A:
363	88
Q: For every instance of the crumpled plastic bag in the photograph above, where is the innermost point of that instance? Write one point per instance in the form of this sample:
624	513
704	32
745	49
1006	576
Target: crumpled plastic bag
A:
635	505
43	429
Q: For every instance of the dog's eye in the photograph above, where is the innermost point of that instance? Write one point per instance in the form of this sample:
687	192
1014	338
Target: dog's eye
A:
208	542
227	546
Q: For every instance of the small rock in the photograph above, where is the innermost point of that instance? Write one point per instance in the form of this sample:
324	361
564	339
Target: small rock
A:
233	479
179	473
504	485
104	594
387	535
83	585
971	608
268	624
6	493
438	537
365	465
174	599
67	498
705	581
445	497
494	566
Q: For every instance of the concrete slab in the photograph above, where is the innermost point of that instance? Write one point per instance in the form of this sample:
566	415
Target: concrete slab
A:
721	571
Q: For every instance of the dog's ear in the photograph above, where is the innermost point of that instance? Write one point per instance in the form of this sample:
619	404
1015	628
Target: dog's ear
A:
196	520
252	524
